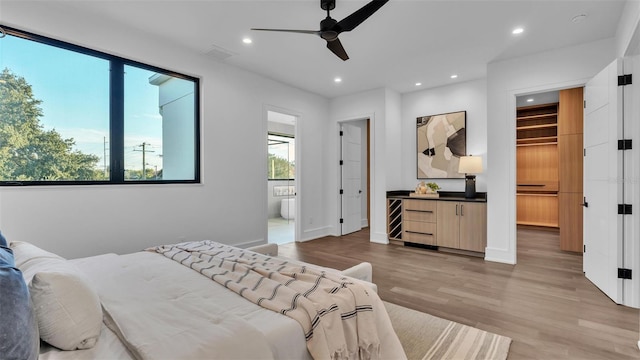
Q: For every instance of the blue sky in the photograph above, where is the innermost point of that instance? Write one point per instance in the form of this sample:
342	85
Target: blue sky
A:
74	89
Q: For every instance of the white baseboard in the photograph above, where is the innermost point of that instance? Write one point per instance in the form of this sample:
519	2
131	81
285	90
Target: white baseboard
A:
316	233
364	223
379	238
639	344
499	255
248	244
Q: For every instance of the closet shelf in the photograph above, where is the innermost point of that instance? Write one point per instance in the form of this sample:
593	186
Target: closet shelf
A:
539	144
541	116
540	138
541	194
533	127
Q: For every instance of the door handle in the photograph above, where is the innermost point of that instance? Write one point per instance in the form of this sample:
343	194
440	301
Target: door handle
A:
461	210
584	202
456	209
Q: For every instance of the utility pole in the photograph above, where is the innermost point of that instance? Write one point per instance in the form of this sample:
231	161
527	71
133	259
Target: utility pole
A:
144	162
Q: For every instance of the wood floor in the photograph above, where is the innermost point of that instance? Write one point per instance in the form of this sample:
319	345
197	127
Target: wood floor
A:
544	303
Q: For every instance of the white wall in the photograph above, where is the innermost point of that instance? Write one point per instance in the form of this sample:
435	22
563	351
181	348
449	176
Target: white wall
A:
365	105
86	220
469	96
562	68
393	138
393	131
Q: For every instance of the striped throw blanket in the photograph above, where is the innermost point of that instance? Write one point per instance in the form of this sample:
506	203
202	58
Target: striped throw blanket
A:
336	314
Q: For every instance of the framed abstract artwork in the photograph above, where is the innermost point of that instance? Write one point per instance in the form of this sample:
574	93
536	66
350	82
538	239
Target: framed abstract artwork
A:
440	140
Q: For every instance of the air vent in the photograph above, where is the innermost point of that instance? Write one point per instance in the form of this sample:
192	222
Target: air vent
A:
218	53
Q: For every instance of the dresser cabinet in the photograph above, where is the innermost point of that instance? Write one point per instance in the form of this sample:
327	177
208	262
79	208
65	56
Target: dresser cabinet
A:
462	225
419	220
451	223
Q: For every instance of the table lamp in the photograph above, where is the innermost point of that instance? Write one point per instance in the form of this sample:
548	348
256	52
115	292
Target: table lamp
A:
470	165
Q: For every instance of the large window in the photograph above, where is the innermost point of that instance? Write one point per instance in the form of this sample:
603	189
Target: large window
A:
281	161
72	115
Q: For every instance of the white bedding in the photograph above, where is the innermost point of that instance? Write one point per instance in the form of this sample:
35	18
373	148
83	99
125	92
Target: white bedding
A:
174	294
108	347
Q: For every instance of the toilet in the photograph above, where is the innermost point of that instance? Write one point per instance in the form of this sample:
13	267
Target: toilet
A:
288	208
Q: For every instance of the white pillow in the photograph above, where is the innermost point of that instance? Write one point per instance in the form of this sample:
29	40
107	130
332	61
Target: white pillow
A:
67	307
23	252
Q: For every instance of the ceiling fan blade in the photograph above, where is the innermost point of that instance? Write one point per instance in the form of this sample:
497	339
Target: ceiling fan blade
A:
314	32
350	22
336	47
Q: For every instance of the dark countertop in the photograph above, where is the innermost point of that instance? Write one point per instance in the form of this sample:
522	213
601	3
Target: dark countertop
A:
444	196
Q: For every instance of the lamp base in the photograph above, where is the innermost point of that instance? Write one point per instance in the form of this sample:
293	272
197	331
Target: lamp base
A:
470	186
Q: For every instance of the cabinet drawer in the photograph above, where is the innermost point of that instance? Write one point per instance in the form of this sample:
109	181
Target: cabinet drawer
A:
420	205
419	238
419	227
420	215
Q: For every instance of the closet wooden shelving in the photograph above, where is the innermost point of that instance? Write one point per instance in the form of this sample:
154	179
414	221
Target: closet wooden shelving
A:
537	125
550	166
537	165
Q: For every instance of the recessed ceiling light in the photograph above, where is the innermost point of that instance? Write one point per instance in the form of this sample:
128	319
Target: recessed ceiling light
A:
418	83
247	40
338	80
454	76
530	100
576	19
517	31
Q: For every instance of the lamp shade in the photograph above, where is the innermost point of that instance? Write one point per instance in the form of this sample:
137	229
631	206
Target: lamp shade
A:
470	165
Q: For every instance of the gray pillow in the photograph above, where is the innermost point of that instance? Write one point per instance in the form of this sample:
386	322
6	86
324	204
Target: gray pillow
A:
19	337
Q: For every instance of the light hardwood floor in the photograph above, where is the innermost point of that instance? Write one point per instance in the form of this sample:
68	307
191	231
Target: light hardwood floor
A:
544	303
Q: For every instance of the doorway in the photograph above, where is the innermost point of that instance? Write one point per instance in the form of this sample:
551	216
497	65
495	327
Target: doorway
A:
281	177
549	165
355	177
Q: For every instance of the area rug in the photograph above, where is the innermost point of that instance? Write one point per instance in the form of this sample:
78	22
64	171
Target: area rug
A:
425	337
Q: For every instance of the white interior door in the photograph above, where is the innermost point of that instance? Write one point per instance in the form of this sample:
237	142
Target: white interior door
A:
631	246
602	169
351	179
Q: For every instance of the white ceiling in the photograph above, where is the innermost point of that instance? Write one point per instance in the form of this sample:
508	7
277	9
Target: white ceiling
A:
403	43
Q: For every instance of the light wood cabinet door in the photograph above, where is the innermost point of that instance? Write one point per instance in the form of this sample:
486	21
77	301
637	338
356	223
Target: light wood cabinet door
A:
571	222
537	209
571	160
473	226
571	111
448	224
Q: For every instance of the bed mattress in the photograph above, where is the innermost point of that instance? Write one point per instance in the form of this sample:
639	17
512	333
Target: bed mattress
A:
179	291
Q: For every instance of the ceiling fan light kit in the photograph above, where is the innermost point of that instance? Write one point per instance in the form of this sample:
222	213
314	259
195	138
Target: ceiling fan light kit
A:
331	28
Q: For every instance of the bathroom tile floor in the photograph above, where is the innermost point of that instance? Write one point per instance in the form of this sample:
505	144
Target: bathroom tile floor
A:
281	231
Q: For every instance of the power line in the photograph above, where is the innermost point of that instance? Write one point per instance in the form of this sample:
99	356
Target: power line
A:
144	153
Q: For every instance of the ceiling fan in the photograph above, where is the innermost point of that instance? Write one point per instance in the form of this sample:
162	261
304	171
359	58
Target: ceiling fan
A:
330	28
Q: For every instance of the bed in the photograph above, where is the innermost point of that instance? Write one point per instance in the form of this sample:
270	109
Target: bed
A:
165	303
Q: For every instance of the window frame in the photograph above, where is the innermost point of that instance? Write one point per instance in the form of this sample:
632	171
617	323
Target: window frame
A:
281	135
116	114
